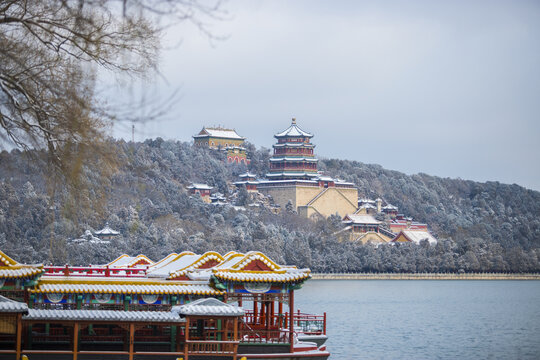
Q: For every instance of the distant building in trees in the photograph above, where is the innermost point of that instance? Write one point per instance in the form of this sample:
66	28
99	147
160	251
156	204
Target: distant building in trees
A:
365	228
247	180
402	223
390	210
201	189
415	236
106	233
228	140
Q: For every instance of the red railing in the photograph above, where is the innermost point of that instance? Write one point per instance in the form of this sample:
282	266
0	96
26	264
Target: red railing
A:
214	348
310	323
94	271
303	323
248	335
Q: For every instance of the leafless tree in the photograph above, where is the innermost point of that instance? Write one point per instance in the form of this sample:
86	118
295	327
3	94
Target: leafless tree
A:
51	51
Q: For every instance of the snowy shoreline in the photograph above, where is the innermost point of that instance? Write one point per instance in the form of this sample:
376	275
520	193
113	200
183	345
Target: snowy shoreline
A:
425	276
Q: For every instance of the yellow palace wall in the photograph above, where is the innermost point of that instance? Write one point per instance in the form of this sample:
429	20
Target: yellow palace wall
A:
333	200
217	142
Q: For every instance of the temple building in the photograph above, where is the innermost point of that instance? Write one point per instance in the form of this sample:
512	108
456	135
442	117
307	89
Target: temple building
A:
106	233
228	140
247	180
400	223
203	190
366	229
415	236
293	177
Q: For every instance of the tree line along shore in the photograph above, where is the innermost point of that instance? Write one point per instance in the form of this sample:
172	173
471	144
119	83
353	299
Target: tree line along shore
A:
426	276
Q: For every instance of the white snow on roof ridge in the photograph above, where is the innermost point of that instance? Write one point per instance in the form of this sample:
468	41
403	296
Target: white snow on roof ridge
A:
221	133
362	219
417	236
293	130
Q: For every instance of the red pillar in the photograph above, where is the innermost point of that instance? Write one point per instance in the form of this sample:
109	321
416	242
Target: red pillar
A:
291	320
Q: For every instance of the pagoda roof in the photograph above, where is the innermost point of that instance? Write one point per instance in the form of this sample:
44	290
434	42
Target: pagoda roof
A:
291	158
291	144
219	132
106	231
292	174
208	307
293	131
11	269
247	175
367	206
390	207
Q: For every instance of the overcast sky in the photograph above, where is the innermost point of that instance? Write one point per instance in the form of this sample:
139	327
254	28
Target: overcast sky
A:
448	88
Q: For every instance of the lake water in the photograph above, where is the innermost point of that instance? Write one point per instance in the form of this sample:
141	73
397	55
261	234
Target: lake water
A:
423	319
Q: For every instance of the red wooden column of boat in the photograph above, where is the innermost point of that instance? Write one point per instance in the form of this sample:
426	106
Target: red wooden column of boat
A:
291	319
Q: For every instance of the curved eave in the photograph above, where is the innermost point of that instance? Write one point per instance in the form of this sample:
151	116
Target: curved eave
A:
20	273
293	159
291	174
112	289
218	137
294	145
266	278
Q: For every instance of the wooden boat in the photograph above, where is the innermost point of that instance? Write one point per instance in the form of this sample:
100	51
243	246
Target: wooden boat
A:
184	306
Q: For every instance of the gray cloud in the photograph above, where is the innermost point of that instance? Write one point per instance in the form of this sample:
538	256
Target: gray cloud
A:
446	88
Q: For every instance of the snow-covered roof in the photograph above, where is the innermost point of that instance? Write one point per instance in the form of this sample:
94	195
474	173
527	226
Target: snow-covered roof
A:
293	131
247	175
21	272
246	182
103	315
12	306
417	236
93	240
366	201
126	261
294	144
289	276
291	174
367	206
268	182
106	231
361	219
120	288
235	268
11	269
219	133
208	307
161	262
183	263
200	186
390	207
291	158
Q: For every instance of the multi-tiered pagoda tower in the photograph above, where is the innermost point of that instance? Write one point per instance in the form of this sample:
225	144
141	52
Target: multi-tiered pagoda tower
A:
293	155
293	180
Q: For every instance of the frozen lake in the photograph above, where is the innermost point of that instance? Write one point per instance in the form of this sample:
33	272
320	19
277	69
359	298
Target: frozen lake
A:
426	319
